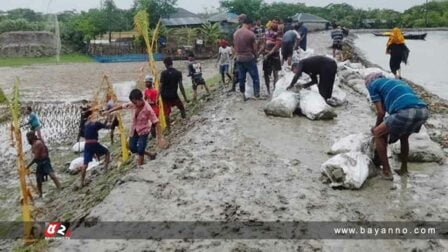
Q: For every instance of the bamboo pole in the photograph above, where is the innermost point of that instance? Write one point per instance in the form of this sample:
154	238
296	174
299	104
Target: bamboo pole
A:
142	26
26	199
121	129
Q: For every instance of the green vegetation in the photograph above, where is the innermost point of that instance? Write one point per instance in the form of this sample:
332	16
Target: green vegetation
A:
22	61
345	14
2	97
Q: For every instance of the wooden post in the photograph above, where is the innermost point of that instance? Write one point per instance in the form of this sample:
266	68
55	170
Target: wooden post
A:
123	138
14	106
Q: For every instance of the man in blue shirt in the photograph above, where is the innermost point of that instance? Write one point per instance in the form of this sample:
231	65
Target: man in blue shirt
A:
406	115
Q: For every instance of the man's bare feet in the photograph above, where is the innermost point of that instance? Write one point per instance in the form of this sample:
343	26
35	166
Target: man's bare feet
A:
401	172
387	175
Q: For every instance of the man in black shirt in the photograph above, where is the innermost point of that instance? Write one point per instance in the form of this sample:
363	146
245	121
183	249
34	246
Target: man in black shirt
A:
170	80
323	66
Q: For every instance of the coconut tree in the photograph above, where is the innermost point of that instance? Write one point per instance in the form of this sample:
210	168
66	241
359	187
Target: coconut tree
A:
210	32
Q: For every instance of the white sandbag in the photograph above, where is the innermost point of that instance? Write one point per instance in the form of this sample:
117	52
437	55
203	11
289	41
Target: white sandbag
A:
249	91
366	71
283	105
355	65
79	147
361	142
305	54
313	106
348	170
123	89
421	148
77	163
339	96
354	82
283	83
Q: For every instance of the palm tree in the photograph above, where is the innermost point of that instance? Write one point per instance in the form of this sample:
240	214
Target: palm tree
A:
211	32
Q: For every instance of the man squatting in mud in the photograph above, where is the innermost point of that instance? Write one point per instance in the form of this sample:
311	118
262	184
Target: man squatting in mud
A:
407	113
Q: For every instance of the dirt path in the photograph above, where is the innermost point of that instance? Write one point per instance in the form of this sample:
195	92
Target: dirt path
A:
234	163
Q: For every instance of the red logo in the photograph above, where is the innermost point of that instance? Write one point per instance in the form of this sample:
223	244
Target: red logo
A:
57	230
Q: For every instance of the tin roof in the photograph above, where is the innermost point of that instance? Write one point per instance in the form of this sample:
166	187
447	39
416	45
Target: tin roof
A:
182	17
308	18
221	17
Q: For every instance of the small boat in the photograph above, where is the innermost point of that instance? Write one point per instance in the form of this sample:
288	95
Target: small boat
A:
421	36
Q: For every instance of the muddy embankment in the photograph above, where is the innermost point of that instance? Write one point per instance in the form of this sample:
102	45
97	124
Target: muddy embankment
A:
437	105
231	162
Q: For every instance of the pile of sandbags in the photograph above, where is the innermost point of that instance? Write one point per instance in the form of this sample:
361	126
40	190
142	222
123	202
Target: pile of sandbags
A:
123	89
352	165
421	148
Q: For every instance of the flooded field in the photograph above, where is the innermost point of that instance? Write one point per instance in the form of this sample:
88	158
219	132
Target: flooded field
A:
428	59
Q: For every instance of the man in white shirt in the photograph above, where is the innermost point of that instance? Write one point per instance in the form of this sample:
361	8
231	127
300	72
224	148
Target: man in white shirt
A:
224	60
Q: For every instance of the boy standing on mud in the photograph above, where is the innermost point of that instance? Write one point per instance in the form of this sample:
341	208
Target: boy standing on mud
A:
143	120
151	95
42	159
170	81
93	147
34	122
195	72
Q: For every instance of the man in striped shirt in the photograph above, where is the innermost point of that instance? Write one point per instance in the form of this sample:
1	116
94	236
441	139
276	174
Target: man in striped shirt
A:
406	115
337	37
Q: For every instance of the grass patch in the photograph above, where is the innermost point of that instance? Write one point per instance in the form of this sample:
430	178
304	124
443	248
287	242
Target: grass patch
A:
24	61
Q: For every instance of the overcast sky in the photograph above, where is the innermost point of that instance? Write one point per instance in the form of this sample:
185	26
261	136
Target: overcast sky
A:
191	5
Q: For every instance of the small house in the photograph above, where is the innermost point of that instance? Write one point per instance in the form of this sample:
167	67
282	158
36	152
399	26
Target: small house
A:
312	22
227	21
182	18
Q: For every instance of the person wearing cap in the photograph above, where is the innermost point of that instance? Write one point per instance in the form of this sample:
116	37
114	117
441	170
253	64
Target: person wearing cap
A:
314	66
406	115
150	95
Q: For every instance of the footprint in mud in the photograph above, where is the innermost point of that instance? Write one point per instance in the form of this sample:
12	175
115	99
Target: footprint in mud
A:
232	212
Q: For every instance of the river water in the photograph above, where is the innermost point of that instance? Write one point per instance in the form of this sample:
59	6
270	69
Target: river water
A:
428	60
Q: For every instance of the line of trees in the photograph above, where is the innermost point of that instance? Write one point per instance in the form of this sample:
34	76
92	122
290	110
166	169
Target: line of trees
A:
345	14
78	28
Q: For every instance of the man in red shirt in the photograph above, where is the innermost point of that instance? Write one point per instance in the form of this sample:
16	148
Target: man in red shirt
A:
150	96
271	51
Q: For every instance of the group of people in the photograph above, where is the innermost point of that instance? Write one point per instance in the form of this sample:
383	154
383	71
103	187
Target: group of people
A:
406	111
144	121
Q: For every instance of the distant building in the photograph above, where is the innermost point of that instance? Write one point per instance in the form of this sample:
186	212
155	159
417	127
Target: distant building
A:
182	18
311	21
227	21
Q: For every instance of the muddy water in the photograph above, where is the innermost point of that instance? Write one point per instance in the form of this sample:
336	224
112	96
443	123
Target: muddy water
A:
60	128
76	81
428	59
234	163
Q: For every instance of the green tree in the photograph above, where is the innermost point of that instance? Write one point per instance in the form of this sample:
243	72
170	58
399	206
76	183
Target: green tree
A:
210	32
156	9
249	7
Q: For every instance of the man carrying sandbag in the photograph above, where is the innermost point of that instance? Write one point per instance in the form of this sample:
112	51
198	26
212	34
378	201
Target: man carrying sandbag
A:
323	66
407	113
